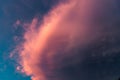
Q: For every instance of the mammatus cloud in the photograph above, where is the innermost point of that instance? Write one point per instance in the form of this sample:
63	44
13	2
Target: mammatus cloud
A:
56	49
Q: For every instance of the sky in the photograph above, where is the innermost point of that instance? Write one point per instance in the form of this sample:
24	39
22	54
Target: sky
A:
59	39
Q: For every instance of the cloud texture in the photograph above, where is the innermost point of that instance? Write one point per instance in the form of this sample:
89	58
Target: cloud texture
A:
71	43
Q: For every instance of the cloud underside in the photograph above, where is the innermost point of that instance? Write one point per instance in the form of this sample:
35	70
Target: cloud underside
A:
71	42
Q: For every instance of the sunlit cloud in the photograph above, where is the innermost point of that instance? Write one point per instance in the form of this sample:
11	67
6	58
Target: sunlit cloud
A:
59	41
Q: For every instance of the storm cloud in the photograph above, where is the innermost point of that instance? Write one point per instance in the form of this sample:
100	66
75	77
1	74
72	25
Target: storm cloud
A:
77	40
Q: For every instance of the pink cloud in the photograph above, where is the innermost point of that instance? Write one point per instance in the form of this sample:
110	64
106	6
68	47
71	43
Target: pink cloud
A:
46	49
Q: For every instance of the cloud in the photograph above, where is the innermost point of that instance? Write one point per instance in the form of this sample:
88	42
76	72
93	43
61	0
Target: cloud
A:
69	35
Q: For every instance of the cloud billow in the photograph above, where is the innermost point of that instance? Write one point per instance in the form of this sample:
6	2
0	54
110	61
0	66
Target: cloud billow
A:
77	40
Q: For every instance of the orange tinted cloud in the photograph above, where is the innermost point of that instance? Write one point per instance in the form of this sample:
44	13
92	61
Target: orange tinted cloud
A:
36	41
49	48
